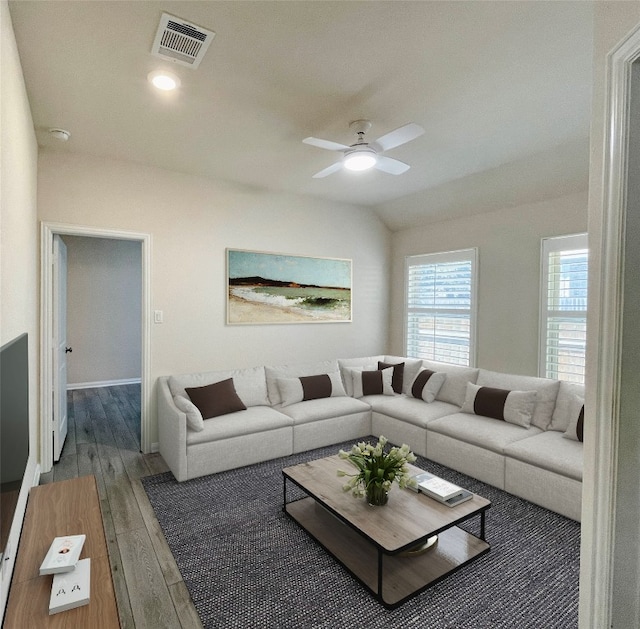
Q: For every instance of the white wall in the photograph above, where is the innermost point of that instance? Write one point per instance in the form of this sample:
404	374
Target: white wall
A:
191	221
508	243
18	239
104	310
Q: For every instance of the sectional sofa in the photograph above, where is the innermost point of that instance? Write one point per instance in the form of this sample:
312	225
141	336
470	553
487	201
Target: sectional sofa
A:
519	433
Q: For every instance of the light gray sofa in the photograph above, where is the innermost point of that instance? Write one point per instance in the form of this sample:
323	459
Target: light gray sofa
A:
536	462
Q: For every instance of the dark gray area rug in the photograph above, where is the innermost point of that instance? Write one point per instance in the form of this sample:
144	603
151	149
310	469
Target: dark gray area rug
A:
247	565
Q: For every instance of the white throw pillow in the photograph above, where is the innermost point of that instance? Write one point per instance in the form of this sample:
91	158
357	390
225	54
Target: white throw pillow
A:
377	382
427	384
194	416
562	412
576	419
294	390
514	407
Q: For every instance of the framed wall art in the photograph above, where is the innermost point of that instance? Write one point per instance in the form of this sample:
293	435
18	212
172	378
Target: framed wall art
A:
280	288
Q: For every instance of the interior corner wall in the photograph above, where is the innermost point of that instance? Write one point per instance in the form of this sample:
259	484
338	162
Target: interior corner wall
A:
104	310
508	243
192	221
18	244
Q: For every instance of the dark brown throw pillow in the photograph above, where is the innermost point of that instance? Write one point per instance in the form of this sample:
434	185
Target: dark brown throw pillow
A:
372	383
580	425
398	374
316	387
219	398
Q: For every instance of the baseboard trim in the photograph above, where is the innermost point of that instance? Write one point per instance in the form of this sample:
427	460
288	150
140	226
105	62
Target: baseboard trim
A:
103	383
155	447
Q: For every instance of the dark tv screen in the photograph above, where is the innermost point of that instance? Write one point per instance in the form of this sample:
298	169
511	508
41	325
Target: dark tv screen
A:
14	428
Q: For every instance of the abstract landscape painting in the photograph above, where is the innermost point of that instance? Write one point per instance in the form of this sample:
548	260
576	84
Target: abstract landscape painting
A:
277	288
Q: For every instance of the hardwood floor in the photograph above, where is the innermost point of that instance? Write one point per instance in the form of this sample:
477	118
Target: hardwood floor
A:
104	440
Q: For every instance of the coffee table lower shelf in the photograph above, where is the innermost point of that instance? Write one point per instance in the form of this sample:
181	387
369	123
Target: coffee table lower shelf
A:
392	579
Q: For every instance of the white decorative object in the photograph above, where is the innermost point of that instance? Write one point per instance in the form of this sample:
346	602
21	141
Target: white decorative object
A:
71	589
439	488
63	554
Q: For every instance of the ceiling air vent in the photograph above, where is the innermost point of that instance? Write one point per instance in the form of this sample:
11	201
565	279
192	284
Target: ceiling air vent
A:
180	41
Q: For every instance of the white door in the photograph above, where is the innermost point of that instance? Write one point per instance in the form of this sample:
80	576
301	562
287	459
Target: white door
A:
59	345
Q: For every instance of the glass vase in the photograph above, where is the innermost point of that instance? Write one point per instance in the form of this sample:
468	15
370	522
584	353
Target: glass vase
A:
377	495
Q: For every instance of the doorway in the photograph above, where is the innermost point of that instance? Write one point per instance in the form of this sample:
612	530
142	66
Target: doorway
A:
49	233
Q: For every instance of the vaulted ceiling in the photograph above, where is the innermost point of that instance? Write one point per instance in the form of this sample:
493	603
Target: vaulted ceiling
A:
502	90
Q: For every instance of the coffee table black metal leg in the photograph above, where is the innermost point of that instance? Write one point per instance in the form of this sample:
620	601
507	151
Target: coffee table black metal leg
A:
284	492
482	526
380	576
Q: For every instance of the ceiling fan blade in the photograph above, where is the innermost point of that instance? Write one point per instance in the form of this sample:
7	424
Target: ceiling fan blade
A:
402	135
390	165
325	144
328	170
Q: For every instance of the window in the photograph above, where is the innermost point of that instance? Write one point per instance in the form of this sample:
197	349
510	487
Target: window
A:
563	304
440	306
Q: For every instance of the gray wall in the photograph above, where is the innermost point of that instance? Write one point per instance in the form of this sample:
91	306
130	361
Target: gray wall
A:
508	243
19	271
627	532
104	310
191	222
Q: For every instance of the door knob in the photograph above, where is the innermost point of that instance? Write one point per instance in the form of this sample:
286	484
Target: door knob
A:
67	350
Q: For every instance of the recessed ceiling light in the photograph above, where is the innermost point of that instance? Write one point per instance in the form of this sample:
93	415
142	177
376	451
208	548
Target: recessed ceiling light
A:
165	81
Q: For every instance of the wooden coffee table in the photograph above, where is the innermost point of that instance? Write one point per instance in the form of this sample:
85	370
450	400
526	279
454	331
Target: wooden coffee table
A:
377	544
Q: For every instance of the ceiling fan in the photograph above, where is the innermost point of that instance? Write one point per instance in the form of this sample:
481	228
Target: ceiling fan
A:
364	155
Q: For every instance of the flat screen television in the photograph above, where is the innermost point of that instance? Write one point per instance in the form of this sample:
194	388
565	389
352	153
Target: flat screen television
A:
14	428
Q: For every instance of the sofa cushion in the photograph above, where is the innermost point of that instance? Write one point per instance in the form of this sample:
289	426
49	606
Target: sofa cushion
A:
548	450
315	410
195	420
374	382
454	388
545	400
480	431
515	407
411	367
347	364
219	398
250	383
255	419
397	379
562	411
295	371
409	409
293	390
575	429
427	384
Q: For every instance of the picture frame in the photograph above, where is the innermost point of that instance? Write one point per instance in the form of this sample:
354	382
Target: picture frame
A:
278	288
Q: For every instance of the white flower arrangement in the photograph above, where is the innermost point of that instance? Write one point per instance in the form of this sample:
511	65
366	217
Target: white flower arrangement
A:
377	469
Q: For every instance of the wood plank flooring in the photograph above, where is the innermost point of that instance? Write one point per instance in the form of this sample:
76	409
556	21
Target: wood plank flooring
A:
104	440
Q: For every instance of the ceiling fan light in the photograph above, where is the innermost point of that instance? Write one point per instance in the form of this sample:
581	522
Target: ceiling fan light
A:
360	160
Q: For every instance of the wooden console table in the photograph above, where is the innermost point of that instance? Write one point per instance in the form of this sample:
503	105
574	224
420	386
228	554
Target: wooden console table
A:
70	507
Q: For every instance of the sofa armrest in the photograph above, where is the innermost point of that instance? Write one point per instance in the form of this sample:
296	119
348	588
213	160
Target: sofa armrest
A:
172	431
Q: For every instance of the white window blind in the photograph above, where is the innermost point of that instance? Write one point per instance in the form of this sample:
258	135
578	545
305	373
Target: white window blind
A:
564	307
440	306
